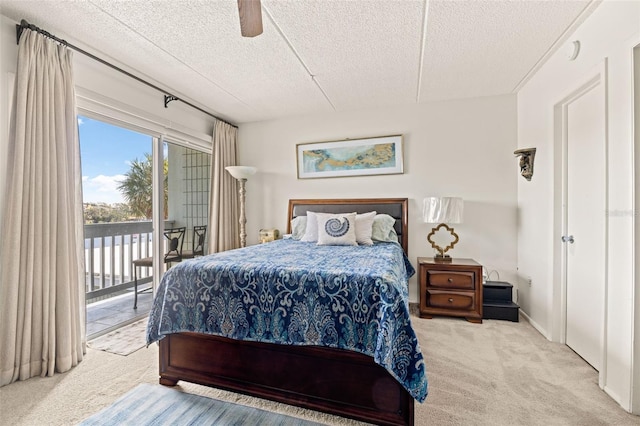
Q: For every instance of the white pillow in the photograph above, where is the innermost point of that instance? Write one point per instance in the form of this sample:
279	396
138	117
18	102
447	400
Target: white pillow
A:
383	229
298	227
364	228
311	232
337	229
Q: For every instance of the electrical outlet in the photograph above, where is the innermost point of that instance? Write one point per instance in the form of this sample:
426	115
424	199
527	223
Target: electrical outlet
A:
529	281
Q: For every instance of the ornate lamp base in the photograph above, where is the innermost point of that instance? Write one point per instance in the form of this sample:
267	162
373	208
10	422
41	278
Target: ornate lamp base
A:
441	256
444	258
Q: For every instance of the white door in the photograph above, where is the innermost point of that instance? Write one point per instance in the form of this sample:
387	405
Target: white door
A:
585	201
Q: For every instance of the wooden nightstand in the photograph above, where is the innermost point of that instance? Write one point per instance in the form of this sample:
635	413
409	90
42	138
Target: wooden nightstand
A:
452	288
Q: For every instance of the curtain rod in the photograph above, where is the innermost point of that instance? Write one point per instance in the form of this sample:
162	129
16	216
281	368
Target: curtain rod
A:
168	97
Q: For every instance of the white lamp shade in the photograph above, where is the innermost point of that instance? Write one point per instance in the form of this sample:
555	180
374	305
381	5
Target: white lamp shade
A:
443	210
241	172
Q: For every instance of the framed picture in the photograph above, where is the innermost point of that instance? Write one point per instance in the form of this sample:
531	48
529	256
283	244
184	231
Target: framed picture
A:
350	157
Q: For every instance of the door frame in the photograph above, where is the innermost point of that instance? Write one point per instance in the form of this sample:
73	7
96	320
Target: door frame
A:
597	77
635	360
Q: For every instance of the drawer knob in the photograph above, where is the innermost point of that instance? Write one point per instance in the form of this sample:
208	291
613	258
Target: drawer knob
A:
450	300
450	280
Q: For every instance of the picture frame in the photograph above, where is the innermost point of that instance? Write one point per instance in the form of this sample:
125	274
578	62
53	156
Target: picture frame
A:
380	155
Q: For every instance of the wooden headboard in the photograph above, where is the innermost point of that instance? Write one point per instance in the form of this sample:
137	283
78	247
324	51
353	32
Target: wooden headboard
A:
394	207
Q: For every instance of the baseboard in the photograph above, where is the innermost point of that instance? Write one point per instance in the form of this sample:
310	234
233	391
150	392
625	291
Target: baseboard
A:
617	399
535	325
613	395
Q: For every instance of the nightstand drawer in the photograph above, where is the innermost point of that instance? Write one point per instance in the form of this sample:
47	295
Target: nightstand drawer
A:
451	280
450	288
451	300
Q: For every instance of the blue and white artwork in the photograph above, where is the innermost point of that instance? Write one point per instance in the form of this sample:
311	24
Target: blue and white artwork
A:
372	156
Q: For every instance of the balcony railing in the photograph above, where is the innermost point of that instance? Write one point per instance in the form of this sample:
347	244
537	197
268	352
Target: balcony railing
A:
109	250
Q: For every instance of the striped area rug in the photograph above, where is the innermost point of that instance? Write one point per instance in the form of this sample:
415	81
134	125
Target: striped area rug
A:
158	405
124	340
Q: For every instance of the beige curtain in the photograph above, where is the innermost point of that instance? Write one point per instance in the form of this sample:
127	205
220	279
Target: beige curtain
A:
42	317
223	202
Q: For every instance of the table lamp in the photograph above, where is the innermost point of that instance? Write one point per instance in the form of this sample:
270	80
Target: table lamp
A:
442	210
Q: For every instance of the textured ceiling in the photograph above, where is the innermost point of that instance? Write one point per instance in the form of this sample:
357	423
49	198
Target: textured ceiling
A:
315	55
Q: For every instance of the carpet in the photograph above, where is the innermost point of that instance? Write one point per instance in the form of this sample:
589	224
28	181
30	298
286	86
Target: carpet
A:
158	405
122	341
497	373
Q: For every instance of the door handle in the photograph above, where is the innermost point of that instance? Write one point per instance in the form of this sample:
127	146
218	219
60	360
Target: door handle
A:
568	239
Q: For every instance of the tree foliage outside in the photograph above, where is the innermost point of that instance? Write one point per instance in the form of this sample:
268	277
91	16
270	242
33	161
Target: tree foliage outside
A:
136	188
104	213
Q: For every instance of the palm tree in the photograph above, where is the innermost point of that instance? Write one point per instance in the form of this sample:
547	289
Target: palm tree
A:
136	187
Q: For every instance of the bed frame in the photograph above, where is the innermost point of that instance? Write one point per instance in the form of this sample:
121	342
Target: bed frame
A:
334	381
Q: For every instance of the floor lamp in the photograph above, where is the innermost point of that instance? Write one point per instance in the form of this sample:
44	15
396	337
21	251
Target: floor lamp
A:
242	173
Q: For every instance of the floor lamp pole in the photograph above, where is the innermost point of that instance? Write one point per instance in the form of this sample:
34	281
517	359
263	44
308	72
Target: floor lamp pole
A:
243	219
241	173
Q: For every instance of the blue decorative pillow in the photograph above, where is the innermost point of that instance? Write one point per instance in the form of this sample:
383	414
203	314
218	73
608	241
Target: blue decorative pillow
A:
337	229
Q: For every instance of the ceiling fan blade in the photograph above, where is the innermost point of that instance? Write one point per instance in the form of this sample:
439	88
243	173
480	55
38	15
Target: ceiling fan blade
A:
250	17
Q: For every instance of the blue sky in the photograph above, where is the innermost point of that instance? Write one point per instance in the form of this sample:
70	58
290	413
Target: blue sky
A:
106	152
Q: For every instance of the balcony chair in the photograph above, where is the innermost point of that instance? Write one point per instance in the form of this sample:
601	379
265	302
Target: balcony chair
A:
197	249
175	236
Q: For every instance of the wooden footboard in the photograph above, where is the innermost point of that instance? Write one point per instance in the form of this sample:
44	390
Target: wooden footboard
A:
330	380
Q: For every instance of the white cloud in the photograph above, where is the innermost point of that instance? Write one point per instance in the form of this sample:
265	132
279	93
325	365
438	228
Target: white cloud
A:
102	189
80	121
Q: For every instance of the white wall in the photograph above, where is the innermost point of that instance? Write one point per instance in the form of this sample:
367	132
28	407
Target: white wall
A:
607	38
457	148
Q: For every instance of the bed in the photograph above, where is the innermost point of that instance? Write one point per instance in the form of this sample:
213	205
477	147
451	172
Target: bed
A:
300	327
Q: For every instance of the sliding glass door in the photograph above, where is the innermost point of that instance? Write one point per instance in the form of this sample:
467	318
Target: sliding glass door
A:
116	183
118	186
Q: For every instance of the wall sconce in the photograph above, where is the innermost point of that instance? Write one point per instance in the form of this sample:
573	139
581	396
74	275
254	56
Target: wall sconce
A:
526	161
442	209
242	173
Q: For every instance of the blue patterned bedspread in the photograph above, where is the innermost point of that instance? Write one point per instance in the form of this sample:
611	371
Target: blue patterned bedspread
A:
297	293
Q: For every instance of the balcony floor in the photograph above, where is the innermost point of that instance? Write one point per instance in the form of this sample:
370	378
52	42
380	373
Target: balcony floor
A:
107	315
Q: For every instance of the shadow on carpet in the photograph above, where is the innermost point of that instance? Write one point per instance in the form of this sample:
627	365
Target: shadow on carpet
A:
122	341
158	405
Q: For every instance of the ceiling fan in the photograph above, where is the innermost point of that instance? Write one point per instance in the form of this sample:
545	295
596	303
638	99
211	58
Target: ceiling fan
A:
250	17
